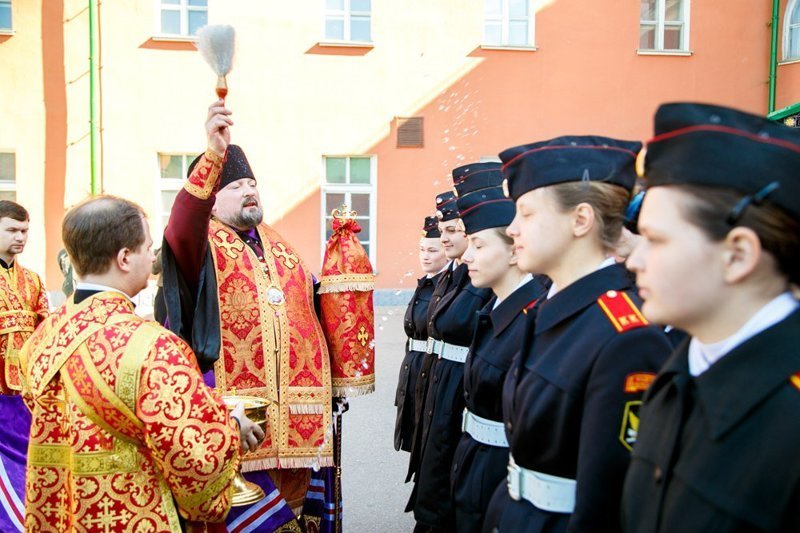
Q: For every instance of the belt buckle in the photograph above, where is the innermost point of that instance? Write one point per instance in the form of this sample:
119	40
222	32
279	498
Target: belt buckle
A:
514	479
429	345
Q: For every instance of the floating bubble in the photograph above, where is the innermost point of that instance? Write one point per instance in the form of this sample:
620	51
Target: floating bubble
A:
408	273
371	344
398	293
452	148
384	318
315	466
380	327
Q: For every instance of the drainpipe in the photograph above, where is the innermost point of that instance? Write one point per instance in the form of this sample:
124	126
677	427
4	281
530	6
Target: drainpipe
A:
94	102
773	56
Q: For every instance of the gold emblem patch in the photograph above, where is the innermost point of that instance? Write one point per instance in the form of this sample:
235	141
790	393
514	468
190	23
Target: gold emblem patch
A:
630	424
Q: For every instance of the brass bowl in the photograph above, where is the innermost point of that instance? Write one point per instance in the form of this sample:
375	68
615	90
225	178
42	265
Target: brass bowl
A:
255	408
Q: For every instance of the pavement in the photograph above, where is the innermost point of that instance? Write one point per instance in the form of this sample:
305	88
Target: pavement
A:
373	490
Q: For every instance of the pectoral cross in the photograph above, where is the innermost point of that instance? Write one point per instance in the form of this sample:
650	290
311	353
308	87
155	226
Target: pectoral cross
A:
289	259
232	249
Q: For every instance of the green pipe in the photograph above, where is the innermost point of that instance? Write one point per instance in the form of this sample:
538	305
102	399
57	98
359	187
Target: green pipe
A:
773	56
94	100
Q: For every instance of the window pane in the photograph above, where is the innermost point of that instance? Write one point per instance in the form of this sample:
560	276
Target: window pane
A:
334	169
328	228
359	170
364	223
647	37
672	37
171	2
360	5
197	19
334	28
5	15
7	167
8	195
493	33
517	9
493	8
334	4
333	201
203	3
172	169
794	42
647	11
672	12
366	247
167	199
796	14
518	32
359	29
171	22
360	204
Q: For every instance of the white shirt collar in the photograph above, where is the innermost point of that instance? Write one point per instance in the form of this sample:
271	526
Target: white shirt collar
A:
525	279
702	356
607	262
82	285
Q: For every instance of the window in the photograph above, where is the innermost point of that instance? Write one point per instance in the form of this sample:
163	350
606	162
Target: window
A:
181	17
8	176
508	23
791	31
348	20
173	171
664	25
5	15
350	181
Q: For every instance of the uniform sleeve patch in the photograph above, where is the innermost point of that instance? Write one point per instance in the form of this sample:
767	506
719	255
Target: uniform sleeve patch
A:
638	382
621	311
630	424
795	380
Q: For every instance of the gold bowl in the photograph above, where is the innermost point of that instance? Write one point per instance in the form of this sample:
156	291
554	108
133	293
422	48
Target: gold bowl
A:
255	408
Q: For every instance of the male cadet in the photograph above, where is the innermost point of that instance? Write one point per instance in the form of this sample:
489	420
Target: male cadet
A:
23	304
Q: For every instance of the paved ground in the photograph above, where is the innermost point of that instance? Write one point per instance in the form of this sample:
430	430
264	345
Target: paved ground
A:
372	471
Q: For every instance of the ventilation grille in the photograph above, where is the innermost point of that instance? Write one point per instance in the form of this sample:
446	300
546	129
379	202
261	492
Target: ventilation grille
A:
410	132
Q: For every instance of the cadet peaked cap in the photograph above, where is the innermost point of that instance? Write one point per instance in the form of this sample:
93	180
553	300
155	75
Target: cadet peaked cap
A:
446	206
568	159
487	208
702	144
476	176
235	167
430	229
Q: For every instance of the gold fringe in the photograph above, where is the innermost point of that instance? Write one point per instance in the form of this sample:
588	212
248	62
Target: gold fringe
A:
272	463
305	409
259	464
353	391
365	286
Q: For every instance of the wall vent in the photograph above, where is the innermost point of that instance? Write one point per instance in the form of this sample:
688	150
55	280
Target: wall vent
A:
410	132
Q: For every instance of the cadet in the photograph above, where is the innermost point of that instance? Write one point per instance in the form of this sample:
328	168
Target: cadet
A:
720	430
571	400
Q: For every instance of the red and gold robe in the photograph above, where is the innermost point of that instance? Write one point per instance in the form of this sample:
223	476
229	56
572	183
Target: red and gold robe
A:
23	304
125	435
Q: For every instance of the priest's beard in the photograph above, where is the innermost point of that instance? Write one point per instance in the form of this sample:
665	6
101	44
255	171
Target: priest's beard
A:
248	218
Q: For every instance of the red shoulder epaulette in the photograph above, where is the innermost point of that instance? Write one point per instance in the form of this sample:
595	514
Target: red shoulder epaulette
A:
795	380
621	311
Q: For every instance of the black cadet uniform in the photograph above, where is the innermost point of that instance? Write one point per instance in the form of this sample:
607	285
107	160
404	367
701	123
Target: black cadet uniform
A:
571	401
415	324
718	452
452	319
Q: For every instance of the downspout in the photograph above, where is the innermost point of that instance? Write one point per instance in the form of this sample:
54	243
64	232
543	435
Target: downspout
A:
773	56
94	102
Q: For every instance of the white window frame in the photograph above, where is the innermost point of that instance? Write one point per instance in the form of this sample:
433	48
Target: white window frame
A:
346	188
183	7
787	29
505	21
346	13
169	185
661	23
10	186
10	29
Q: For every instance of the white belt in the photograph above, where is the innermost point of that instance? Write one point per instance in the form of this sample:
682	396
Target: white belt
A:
484	430
451	352
546	492
417	346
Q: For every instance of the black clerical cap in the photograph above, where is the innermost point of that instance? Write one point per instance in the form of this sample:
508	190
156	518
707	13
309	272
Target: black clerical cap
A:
446	206
568	159
476	176
235	167
487	208
430	228
702	144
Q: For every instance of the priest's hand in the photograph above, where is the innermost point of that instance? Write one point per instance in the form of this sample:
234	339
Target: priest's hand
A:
218	126
249	432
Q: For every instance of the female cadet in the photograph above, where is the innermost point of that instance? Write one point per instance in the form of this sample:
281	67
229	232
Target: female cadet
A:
451	322
481	457
570	401
720	430
432	260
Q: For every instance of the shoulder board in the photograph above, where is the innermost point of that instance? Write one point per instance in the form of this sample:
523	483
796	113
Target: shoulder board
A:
795	380
621	311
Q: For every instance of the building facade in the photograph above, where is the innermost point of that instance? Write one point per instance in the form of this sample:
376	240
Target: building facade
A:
368	103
